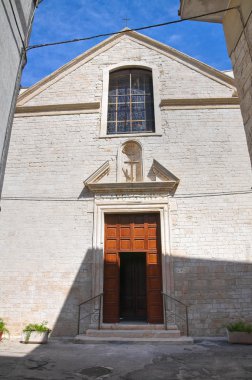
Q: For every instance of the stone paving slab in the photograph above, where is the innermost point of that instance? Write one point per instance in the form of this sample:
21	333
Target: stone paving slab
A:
64	360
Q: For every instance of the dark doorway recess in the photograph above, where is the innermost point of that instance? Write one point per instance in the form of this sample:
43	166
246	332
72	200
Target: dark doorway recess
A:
133	303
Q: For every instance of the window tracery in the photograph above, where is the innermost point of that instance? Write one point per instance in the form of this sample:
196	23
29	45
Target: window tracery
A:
130	102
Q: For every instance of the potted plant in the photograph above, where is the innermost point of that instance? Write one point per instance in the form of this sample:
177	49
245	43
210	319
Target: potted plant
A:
3	329
35	333
239	332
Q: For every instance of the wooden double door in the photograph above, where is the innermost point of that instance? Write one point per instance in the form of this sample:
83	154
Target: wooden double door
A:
132	268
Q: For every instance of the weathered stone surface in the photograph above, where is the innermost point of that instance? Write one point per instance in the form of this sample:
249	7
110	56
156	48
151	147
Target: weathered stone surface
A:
47	220
207	359
241	58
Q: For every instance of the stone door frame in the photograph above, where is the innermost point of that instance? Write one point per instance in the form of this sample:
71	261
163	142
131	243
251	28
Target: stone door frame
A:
121	205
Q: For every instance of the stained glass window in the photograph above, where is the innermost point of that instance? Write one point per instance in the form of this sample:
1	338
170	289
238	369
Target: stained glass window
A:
130	102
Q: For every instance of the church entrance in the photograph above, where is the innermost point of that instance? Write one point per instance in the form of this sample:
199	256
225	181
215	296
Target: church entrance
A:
133	303
132	268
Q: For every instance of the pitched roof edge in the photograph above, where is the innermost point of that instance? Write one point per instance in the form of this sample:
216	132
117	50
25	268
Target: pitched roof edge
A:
91	53
57	73
186	58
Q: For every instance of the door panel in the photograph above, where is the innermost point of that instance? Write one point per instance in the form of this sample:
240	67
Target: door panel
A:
131	234
111	289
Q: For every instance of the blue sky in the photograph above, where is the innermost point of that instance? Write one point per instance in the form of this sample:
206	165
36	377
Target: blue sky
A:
57	20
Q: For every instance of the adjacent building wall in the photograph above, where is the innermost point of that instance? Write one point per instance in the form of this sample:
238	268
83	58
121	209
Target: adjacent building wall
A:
238	30
13	39
237	25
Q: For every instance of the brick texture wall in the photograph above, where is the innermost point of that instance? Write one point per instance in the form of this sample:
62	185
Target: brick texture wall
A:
46	221
242	64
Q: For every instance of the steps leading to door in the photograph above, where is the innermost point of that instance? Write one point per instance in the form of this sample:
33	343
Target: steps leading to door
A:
135	333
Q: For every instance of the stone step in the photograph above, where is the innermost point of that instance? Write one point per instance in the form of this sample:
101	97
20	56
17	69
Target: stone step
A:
84	339
133	333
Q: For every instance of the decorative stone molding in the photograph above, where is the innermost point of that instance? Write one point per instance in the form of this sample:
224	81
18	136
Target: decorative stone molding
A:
167	185
156	96
122	206
233	102
163	173
133	187
131	162
98	174
57	109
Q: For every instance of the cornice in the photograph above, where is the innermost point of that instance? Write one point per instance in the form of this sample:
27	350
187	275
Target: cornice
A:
57	109
164	174
200	103
133	187
98	174
168	185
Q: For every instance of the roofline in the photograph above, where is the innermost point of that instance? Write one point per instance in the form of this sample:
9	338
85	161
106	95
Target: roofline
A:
91	53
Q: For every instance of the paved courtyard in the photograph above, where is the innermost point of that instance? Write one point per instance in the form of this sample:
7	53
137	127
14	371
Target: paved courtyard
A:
65	360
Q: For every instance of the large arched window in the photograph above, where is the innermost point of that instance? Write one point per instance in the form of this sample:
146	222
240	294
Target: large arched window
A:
130	102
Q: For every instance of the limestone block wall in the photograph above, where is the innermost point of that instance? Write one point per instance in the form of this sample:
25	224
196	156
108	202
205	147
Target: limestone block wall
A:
241	58
84	84
11	66
46	222
47	265
212	260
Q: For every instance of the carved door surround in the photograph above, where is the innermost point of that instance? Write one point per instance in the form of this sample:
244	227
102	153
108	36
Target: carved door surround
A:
124	206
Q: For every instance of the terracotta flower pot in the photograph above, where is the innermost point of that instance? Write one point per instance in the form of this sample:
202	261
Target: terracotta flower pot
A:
1	335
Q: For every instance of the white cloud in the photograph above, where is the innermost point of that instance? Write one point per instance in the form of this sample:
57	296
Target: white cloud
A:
174	38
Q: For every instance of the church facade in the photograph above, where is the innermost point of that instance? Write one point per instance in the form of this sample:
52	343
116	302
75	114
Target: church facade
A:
128	177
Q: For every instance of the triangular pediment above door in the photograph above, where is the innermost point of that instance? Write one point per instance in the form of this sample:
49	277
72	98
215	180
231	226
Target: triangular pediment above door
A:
159	180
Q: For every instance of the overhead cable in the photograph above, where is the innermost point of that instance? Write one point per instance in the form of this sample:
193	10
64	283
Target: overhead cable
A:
181	196
127	30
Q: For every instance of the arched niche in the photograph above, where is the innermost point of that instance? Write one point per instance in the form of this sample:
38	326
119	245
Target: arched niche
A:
131	163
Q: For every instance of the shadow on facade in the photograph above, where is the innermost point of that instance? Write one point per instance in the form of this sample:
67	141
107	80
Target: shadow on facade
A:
67	323
215	291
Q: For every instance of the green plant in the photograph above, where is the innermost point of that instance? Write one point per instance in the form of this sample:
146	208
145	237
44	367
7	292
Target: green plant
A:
3	328
39	328
240	326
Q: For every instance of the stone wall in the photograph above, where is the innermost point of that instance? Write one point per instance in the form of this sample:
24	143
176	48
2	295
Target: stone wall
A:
46	224
11	65
241	57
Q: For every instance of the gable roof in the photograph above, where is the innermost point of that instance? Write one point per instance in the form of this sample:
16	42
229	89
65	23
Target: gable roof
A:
111	41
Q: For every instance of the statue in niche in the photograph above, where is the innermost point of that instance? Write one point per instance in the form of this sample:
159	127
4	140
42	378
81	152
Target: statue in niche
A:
132	162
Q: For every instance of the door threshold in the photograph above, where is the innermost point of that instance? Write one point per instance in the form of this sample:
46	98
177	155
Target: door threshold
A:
135	326
133	323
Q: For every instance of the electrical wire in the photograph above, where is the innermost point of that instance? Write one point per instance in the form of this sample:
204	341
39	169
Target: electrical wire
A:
128	30
48	199
179	196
